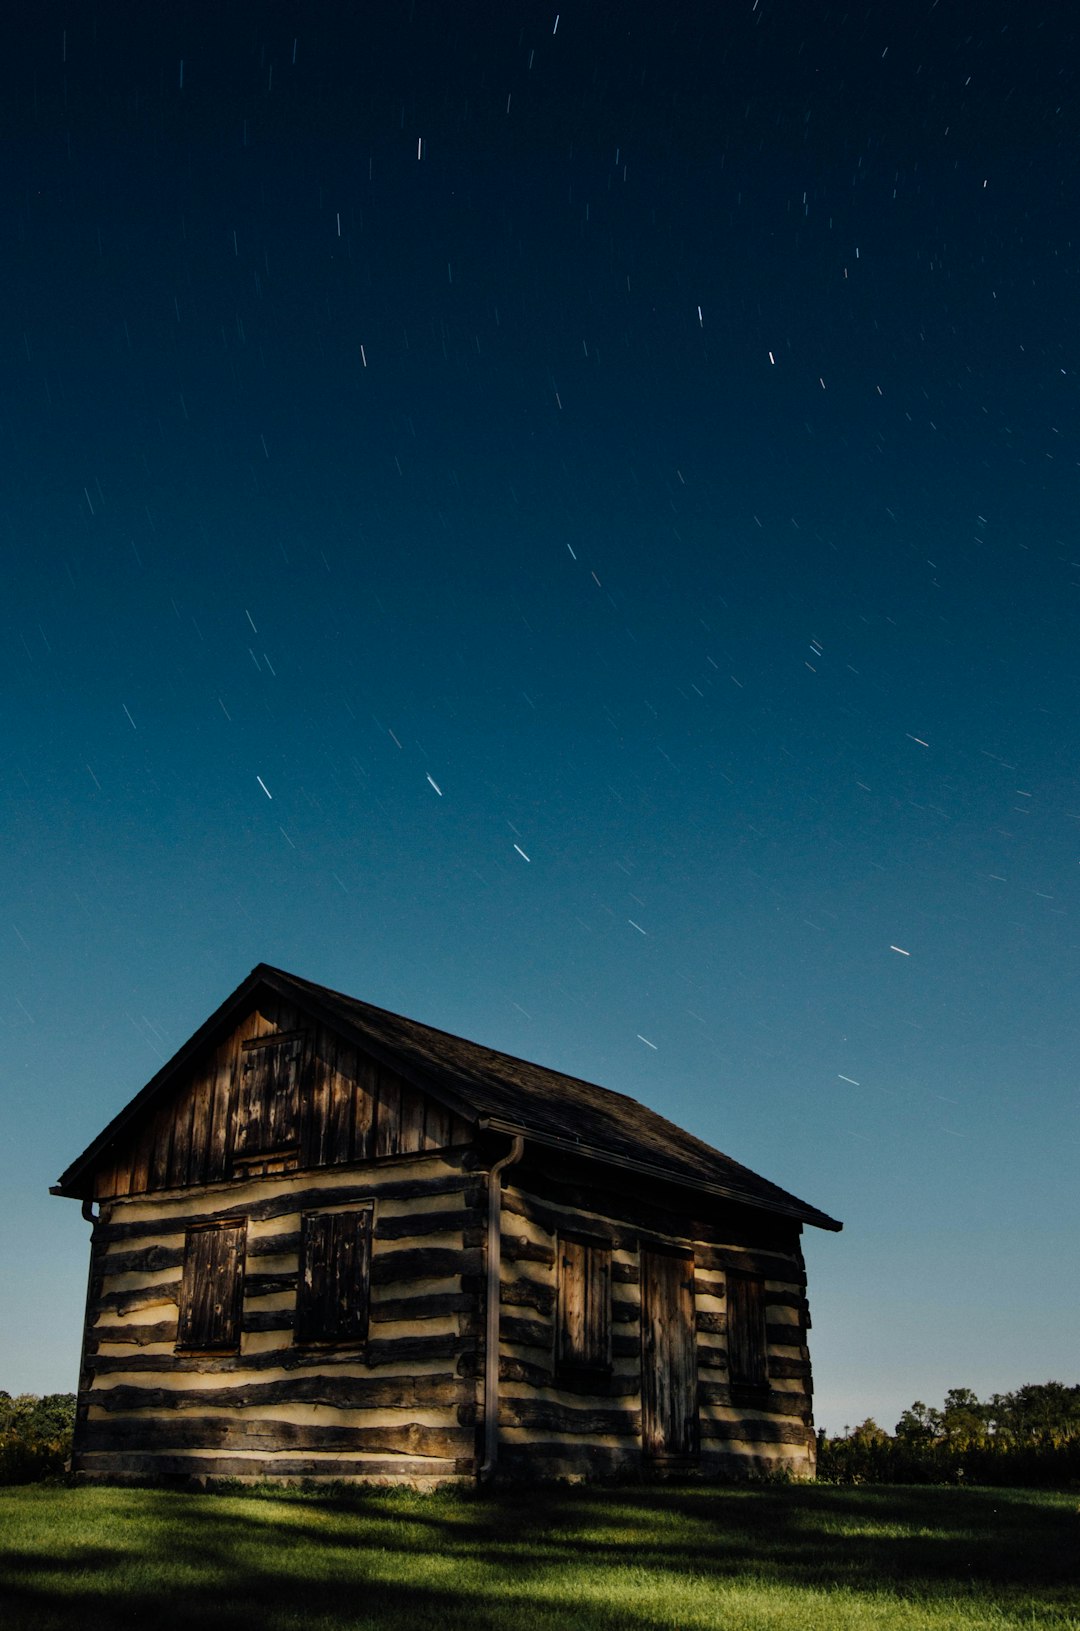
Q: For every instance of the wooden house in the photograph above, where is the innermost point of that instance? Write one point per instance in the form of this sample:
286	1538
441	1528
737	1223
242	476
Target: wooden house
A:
332	1243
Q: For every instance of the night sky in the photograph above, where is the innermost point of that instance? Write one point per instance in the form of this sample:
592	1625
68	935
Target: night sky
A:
563	525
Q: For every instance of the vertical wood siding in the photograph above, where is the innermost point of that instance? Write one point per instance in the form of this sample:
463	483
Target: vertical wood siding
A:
320	1103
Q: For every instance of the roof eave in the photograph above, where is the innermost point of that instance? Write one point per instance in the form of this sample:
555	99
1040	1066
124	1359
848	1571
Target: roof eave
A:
797	1209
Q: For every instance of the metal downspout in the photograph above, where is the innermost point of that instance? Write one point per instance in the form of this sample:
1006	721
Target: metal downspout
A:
491	1321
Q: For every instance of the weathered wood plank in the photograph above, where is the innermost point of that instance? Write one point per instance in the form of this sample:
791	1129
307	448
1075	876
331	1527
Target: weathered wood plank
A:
364	1091
387	1114
340	1101
182	1111
411	1129
159	1150
437	1120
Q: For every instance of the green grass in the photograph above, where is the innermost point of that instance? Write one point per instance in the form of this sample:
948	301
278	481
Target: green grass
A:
687	1558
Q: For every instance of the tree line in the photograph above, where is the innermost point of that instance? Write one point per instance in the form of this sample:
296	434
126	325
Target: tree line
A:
1030	1436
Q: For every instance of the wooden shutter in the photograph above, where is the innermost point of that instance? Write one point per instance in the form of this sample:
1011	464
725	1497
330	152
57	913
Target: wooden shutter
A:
584	1312
268	1108
747	1360
211	1291
334	1277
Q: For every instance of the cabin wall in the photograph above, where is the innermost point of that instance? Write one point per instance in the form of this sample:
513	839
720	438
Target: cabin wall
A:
351	1109
558	1424
402	1405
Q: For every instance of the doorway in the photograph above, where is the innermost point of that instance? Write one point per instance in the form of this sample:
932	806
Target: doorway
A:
669	1415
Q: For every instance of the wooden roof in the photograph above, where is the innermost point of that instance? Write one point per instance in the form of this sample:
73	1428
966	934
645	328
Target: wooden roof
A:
490	1089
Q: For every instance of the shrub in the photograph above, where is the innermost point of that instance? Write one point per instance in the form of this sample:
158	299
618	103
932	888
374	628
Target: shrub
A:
35	1435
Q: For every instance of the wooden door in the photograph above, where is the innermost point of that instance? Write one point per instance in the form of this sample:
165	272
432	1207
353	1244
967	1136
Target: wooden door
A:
669	1417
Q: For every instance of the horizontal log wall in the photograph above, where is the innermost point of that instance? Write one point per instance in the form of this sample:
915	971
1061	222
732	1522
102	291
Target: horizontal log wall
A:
401	1404
558	1423
350	1109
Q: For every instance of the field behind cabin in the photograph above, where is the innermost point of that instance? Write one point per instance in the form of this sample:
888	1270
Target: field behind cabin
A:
815	1558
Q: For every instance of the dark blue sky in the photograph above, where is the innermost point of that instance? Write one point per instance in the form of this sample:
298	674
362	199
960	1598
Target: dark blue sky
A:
562	524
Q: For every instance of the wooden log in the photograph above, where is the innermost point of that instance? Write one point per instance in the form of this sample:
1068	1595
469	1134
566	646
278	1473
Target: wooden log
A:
519	1249
705	1286
287	1468
336	1392
292	1199
418	1224
544	1415
268	1319
139	1336
150	1433
286	1245
285	1358
769	1265
527	1333
267	1285
584	1384
754	1431
627	1274
624	1313
787	1336
125	1302
405	1351
421	1308
144	1260
772	1402
422	1263
715	1324
526	1293
789	1368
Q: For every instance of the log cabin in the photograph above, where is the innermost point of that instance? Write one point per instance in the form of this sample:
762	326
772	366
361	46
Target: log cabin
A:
330	1243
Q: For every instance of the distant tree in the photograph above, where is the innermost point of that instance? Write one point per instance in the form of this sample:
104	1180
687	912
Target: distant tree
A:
35	1435
920	1424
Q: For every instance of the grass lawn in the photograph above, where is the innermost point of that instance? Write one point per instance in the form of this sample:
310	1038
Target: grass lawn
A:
891	1559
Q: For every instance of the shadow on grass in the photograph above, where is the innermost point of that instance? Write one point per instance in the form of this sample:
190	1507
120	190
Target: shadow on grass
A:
108	1557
